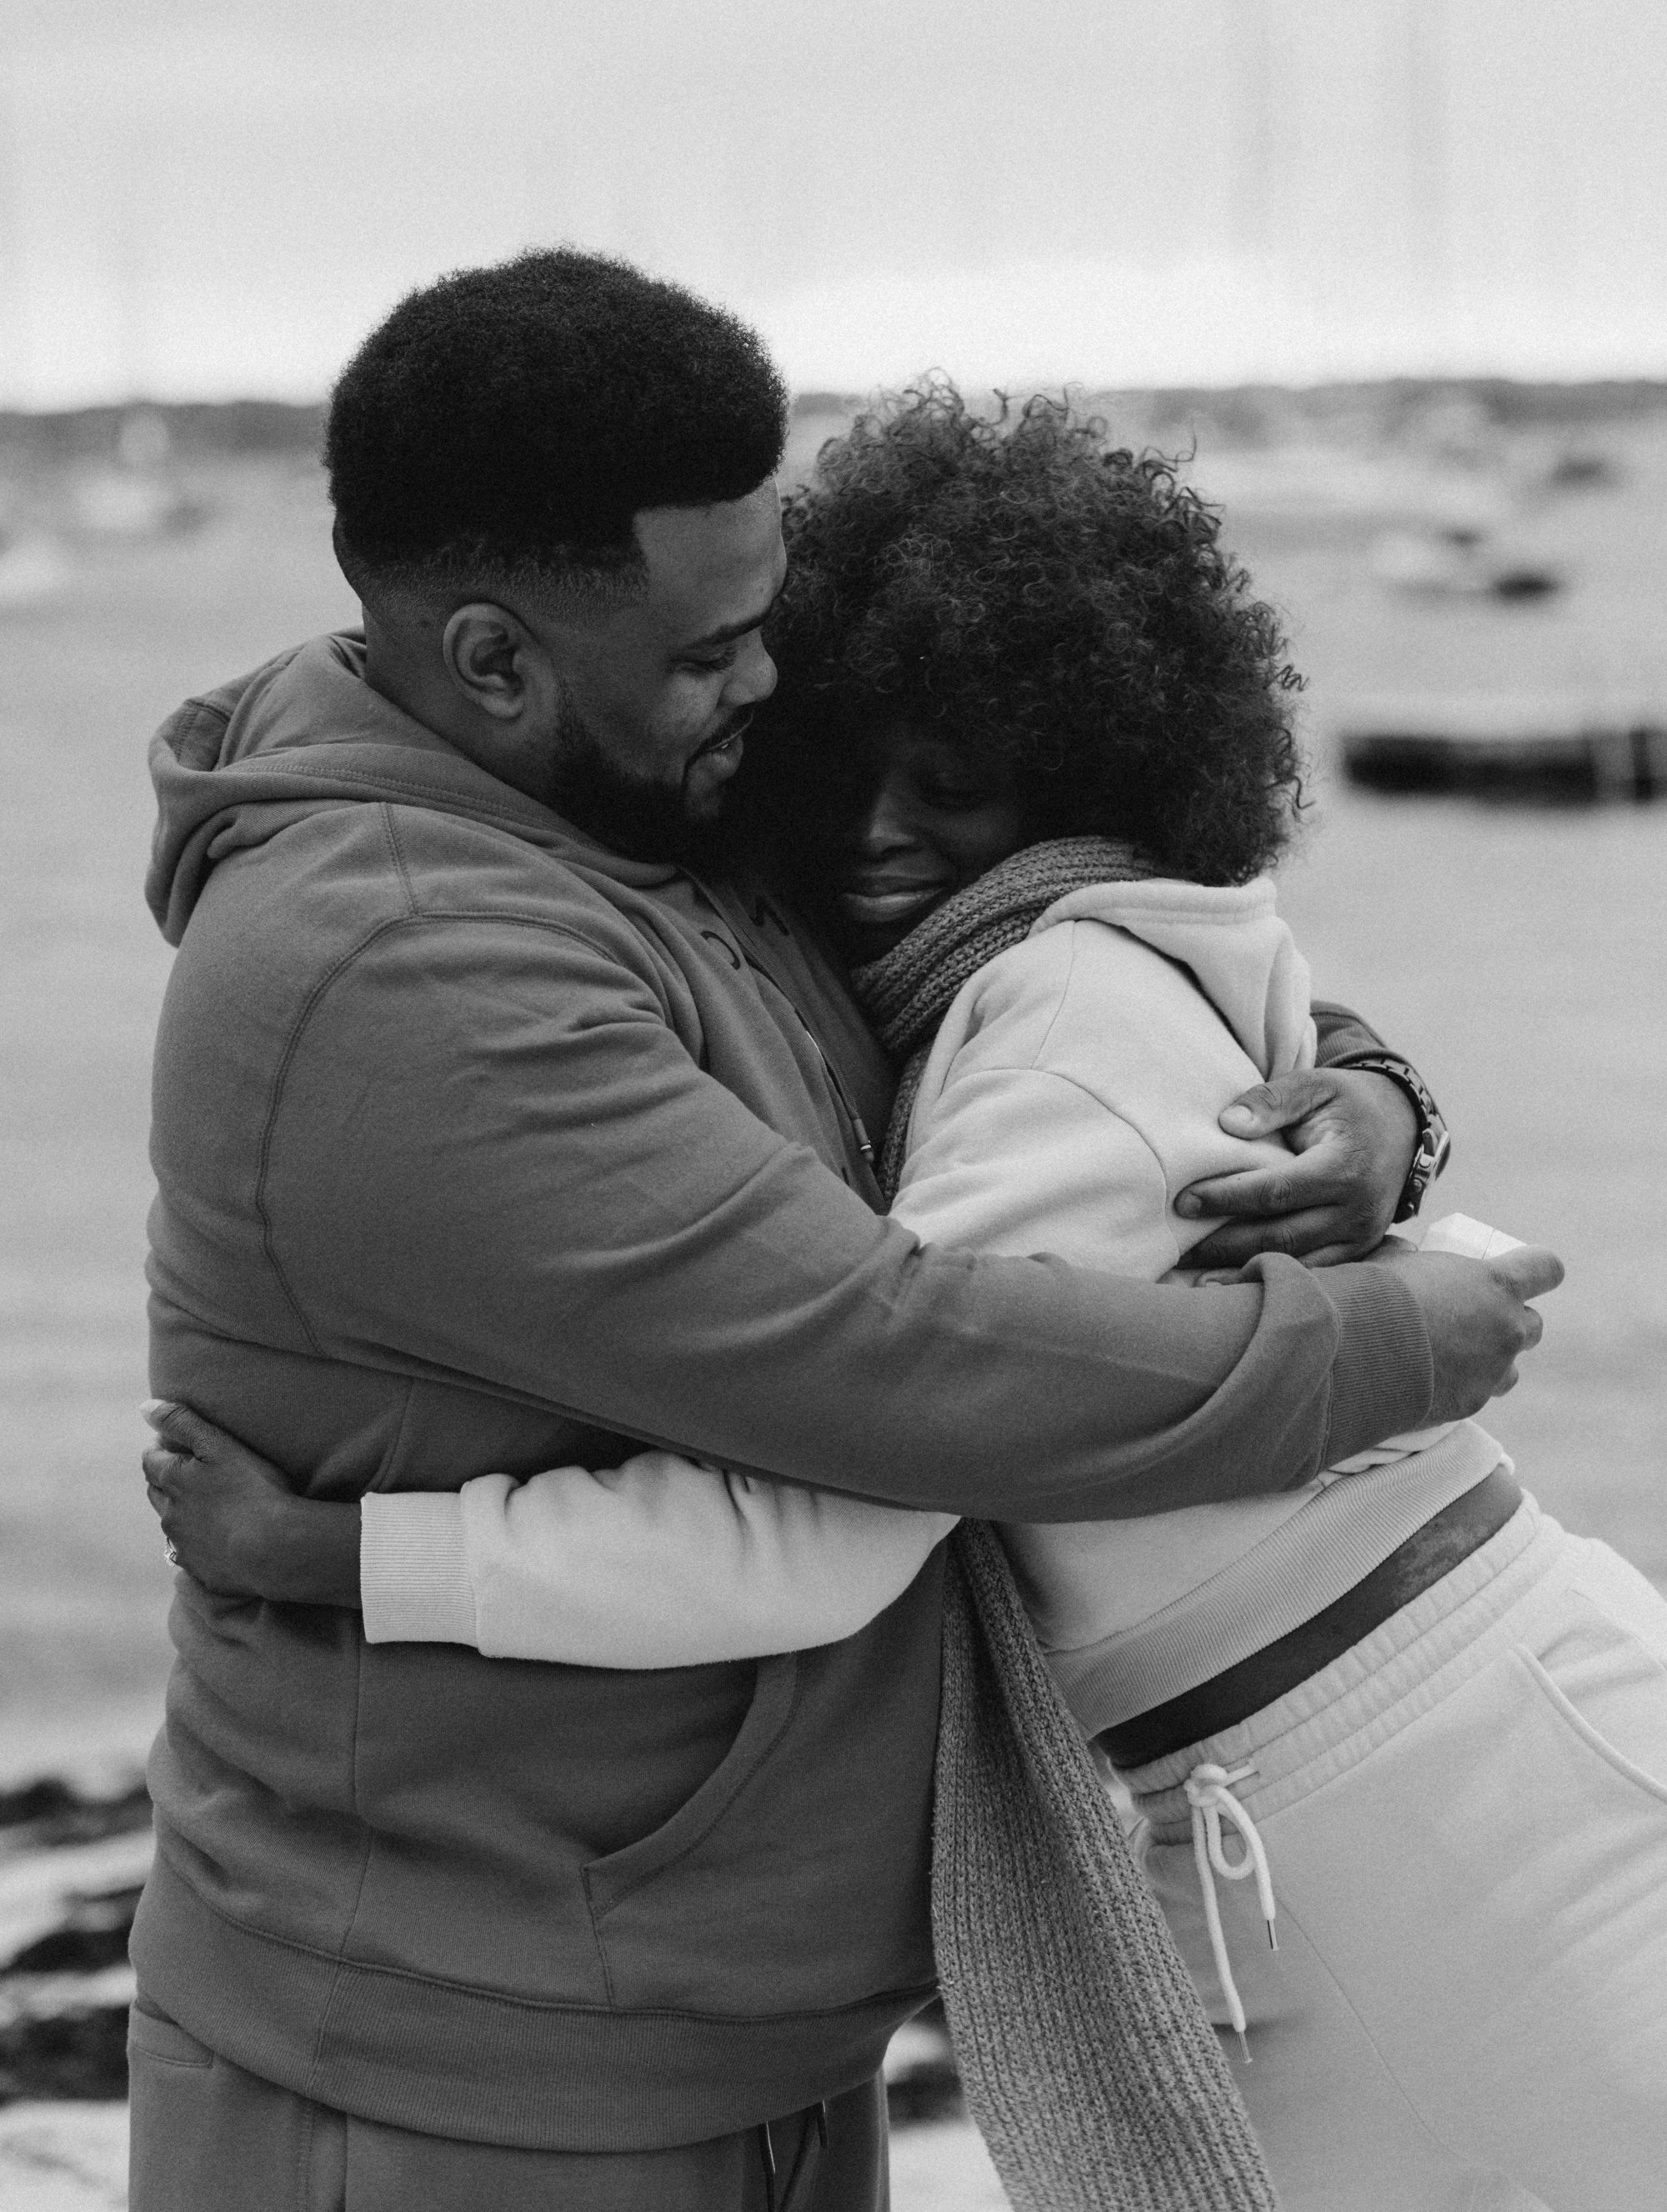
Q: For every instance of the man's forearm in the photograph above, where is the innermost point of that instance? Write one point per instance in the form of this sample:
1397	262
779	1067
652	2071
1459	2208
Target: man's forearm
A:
621	1240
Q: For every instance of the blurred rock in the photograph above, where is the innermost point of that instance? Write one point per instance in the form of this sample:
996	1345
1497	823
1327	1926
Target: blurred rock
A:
70	1871
64	2158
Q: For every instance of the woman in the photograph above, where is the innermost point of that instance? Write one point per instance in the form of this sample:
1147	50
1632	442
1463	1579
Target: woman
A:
1025	668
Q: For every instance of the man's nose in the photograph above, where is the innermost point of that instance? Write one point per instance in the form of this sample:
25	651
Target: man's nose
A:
753	676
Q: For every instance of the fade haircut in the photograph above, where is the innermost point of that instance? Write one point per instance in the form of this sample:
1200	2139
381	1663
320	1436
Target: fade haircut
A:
504	425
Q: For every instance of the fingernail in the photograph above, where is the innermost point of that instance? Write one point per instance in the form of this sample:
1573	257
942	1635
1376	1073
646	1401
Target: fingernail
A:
1237	1117
156	1411
1188	1206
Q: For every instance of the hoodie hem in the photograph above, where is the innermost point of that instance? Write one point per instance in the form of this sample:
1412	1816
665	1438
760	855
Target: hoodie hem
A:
474	2066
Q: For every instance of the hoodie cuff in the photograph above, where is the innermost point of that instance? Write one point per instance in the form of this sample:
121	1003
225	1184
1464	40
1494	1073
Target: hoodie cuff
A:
1382	1374
413	1574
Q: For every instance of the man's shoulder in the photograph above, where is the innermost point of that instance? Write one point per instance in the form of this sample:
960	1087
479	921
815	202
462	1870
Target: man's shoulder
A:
338	876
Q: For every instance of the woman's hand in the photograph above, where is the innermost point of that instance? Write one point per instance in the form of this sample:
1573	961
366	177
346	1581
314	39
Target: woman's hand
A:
1352	1135
235	1525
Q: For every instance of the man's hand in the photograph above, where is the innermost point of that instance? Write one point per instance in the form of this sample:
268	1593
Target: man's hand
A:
1352	1135
236	1525
1475	1313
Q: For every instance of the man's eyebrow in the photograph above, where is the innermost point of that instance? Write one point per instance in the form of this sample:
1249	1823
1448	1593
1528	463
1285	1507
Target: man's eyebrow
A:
728	632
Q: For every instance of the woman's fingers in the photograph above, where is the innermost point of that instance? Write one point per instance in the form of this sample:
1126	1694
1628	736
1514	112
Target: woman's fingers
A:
186	1432
177	1476
188	1447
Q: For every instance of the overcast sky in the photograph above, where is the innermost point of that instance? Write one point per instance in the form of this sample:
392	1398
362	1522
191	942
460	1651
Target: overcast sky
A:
211	197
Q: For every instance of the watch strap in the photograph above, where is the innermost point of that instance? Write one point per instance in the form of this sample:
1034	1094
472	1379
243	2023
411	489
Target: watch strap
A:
1435	1145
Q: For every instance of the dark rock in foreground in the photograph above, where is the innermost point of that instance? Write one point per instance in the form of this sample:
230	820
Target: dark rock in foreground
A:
72	1866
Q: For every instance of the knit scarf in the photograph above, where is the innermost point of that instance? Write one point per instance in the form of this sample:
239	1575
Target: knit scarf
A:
1088	2062
906	991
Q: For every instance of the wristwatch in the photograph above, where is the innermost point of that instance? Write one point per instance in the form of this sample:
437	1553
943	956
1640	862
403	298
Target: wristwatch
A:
1434	1144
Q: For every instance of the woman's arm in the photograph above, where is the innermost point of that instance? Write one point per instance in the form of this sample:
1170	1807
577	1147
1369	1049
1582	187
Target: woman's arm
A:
659	1563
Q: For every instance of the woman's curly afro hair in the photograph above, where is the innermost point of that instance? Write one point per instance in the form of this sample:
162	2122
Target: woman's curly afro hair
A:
1048	605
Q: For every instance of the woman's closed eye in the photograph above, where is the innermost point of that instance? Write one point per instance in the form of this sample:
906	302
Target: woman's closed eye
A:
954	797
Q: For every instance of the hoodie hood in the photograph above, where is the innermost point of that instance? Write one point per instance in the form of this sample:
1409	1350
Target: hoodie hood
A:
238	765
1238	952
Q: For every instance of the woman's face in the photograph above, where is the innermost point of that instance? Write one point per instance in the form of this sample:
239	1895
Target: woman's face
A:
934	821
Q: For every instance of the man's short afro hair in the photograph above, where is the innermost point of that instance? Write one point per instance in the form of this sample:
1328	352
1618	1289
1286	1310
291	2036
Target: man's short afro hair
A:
513	420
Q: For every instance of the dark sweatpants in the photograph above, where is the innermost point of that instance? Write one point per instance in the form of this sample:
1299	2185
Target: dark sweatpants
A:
208	2137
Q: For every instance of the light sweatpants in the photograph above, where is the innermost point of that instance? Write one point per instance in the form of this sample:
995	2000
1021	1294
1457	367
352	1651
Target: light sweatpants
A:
1465	1820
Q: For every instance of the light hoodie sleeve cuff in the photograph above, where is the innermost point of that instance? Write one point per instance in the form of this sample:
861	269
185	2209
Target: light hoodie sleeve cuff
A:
413	1570
1382	1374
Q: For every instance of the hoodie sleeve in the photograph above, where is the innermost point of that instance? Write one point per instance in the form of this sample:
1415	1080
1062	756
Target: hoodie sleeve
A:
490	1155
1342	1033
659	1563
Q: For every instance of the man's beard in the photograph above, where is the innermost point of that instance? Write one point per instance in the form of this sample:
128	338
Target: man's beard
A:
630	815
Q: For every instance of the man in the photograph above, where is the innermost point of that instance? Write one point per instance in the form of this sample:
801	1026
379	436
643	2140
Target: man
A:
496	1131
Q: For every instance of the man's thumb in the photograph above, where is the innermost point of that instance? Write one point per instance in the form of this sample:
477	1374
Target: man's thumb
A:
1527	1272
1254	1113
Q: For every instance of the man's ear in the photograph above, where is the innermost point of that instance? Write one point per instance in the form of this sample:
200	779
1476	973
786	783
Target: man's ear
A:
492	658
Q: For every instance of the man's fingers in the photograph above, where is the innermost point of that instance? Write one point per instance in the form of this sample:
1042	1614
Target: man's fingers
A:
1296	1235
1252	1195
1267	1107
1528	1273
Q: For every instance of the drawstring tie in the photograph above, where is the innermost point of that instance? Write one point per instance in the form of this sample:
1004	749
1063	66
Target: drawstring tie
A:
1209	1793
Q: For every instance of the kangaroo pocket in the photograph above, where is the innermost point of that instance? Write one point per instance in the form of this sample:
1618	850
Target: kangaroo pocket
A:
485	1787
658	1939
794	1880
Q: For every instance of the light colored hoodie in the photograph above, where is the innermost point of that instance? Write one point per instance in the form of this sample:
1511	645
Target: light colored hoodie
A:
1071	1093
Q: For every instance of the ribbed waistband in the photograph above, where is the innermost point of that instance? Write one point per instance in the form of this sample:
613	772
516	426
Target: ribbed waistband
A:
1379	1686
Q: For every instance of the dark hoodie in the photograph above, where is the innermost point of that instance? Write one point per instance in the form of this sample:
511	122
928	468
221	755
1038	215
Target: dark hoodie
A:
480	1148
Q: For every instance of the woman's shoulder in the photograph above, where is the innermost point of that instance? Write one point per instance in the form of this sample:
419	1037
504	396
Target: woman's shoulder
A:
1078	996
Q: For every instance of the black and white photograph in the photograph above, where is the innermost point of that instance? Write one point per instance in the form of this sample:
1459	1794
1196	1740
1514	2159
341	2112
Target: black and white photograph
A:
833	1260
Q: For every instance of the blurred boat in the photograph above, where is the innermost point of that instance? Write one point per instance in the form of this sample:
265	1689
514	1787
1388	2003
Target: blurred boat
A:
1459	562
125	504
1505	748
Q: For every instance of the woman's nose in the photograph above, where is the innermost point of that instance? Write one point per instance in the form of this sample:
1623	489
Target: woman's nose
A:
885	825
